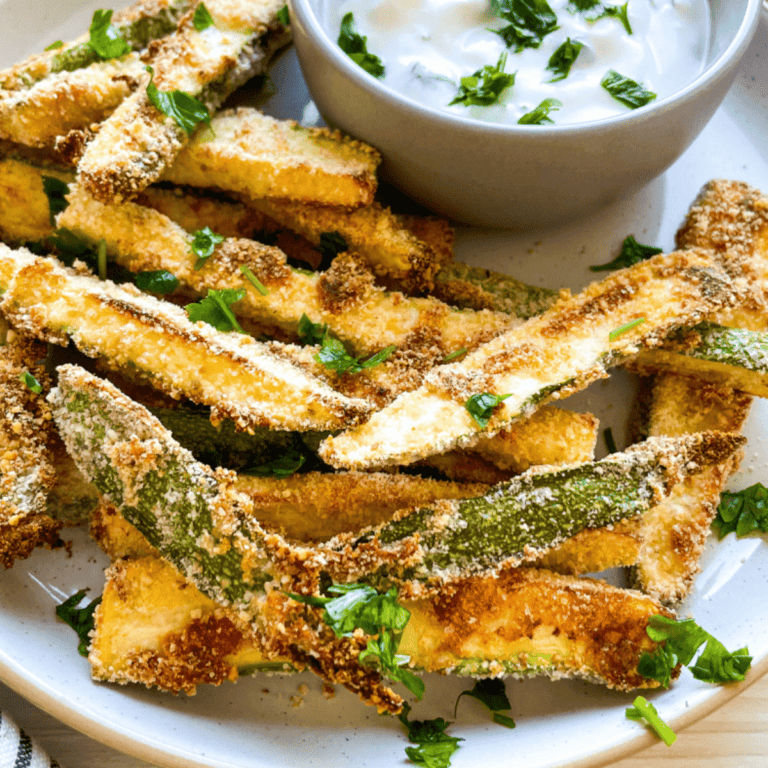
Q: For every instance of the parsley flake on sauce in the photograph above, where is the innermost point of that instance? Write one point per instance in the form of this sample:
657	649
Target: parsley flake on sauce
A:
530	21
54	46
561	61
80	619
540	114
681	641
186	110
485	86
356	47
480	407
105	39
631	253
742	512
594	10
626	90
202	18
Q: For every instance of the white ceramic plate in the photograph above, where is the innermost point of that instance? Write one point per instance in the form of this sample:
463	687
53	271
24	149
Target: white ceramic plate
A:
254	723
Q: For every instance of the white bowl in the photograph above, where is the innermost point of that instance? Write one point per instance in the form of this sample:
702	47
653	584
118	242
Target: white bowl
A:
509	175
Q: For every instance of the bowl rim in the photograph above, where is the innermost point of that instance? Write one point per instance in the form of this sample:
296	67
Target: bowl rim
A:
718	69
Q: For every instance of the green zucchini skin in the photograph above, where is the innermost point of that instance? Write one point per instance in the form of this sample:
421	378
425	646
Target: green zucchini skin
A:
137	32
733	357
492	290
198	522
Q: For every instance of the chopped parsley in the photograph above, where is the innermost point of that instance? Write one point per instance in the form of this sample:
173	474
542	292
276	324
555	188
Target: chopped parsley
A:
435	746
622	329
594	10
561	61
334	356
56	191
105	39
610	443
157	281
453	355
31	383
330	246
485	86
493	694
742	512
631	253
626	90
203	244
530	21
356	47
101	259
254	281
359	606
80	619
681	641
186	110
215	309
310	333
540	115
283	466
481	407
55	46
284	16
642	709
202	18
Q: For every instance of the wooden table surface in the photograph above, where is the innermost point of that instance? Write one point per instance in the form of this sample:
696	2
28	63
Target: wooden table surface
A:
734	736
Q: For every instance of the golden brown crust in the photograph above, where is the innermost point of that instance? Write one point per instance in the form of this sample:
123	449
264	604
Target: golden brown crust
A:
585	627
258	156
26	473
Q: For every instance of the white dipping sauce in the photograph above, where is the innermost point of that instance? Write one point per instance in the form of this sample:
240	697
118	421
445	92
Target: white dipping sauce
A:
427	46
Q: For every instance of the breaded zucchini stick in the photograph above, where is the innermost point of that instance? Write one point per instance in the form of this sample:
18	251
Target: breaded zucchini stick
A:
138	141
674	532
27	475
140	23
212	530
548	357
68	101
344	298
151	623
258	156
388	247
232	373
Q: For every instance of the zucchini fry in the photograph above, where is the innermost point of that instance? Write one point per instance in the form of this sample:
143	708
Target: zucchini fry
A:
152	622
734	358
68	101
211	529
27	475
137	142
255	155
344	298
374	232
138	25
232	373
674	532
547	357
